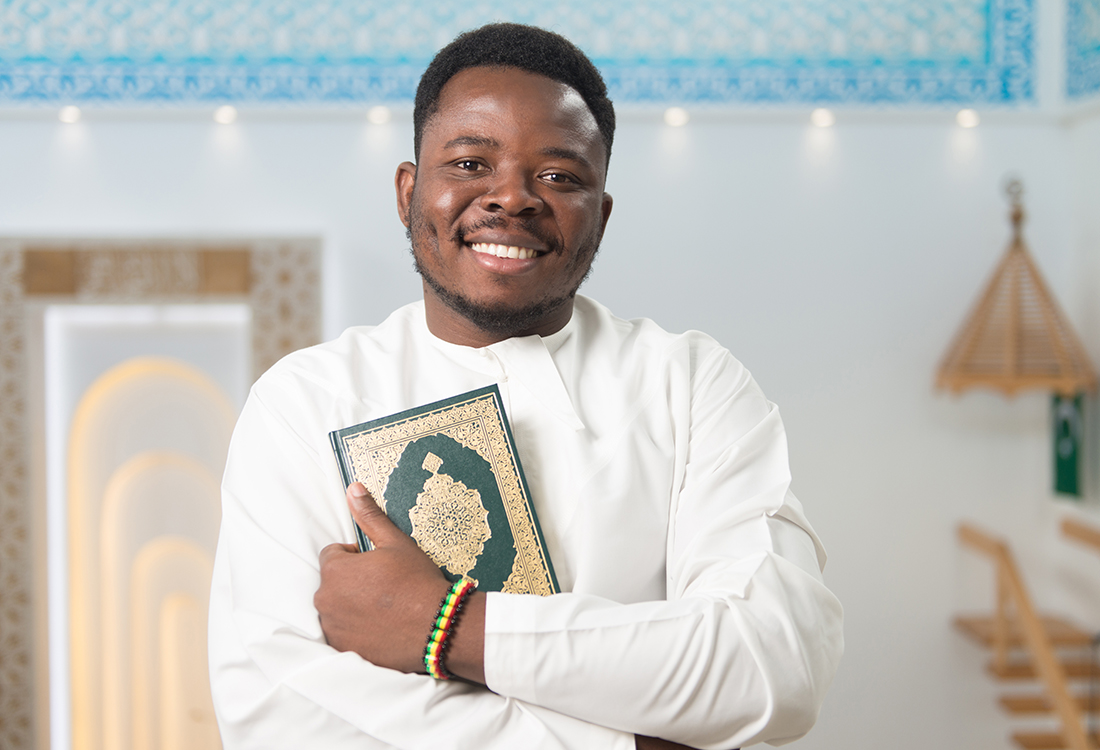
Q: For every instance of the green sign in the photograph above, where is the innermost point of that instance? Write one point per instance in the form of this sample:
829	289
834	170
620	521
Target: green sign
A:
1068	418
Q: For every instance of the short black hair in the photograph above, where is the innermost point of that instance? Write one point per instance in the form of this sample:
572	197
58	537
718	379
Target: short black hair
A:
513	45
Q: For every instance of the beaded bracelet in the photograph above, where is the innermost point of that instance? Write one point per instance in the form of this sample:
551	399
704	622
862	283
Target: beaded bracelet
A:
445	620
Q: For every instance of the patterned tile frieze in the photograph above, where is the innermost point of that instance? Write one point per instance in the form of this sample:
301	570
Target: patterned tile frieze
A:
1082	48
351	51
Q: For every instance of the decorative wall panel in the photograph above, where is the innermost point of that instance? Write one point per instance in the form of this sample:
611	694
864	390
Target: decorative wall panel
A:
280	281
286	300
1082	48
16	618
354	51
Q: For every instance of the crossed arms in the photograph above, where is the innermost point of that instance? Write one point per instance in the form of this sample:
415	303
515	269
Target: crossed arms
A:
740	649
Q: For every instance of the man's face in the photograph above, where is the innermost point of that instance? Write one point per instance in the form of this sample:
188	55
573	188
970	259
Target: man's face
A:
506	208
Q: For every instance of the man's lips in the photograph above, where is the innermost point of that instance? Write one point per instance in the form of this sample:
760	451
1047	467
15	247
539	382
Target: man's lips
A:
504	251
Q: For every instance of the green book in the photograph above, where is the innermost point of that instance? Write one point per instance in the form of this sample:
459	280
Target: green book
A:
448	475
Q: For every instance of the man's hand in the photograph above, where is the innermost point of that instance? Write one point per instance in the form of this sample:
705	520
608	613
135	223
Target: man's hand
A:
380	604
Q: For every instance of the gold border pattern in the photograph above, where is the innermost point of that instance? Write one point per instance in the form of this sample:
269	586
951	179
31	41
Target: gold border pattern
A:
475	424
16	614
286	299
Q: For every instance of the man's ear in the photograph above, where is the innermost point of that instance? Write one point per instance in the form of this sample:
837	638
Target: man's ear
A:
605	209
403	182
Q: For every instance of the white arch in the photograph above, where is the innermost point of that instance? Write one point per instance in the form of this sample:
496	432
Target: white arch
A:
187	720
153	494
170	581
142	404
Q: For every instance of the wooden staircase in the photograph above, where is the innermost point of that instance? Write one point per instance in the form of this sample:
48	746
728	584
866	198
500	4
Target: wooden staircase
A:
1028	647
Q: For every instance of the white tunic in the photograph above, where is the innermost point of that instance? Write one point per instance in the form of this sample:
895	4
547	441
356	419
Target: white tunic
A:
695	608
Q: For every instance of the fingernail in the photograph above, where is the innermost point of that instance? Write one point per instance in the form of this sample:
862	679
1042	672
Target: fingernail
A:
358	490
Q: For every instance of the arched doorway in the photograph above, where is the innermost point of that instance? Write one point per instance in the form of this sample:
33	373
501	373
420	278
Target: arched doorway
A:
146	450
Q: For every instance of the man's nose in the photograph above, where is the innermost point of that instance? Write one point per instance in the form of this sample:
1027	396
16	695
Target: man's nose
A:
513	194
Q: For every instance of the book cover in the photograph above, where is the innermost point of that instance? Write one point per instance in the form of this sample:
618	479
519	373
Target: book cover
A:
448	475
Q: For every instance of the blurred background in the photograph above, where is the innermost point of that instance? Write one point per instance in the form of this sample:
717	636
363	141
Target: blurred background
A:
189	190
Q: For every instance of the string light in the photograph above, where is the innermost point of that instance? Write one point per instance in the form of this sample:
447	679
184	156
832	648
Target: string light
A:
967	118
676	117
379	115
225	115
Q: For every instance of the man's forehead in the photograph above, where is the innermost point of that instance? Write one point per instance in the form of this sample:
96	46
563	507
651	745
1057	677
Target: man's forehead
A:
484	80
484	89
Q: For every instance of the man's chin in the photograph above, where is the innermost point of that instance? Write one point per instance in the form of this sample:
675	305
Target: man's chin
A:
504	320
501	319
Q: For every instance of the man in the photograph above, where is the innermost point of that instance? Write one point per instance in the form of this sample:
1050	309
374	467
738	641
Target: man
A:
693	610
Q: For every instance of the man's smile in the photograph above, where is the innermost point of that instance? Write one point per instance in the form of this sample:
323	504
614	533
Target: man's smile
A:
504	251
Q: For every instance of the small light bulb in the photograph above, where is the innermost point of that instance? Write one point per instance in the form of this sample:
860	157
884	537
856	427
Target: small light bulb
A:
967	118
823	118
676	117
225	115
379	115
69	114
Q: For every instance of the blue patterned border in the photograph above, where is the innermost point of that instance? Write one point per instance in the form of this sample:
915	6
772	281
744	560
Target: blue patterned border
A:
1082	48
313	52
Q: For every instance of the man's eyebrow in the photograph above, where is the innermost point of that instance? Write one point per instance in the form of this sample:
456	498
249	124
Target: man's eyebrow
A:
479	141
558	152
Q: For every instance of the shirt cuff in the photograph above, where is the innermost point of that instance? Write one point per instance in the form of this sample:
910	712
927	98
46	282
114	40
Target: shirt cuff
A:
510	626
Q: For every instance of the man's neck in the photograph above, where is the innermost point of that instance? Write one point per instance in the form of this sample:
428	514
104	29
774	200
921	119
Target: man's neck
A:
450	326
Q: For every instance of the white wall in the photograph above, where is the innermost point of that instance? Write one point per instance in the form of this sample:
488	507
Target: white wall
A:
836	264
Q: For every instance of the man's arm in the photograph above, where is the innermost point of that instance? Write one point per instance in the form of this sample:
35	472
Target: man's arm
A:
401	588
744	649
381	603
748	638
275	680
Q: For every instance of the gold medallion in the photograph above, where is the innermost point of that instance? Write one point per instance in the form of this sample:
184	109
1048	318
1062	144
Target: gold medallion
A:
449	521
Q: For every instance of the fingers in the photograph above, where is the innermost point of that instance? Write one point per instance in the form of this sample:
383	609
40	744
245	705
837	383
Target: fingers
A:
371	519
332	550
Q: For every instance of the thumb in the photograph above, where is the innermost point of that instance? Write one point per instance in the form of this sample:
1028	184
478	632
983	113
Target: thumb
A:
371	519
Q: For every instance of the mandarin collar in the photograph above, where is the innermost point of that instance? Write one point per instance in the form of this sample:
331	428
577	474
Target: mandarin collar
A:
525	360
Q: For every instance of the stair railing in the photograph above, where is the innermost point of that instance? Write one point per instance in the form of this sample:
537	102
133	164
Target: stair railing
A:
1088	535
1081	532
1011	593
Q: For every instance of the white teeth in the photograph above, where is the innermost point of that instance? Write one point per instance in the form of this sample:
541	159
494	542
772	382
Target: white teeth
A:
504	251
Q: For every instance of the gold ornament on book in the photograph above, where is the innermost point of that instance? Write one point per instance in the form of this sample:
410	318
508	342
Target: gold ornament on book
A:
449	521
1016	337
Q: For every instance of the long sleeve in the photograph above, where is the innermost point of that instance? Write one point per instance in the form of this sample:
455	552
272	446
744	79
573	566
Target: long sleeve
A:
748	638
694	607
276	683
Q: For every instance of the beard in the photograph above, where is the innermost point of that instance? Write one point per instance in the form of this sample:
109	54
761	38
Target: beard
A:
500	319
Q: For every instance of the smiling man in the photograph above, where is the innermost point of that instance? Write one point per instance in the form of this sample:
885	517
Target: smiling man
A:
507	209
693	611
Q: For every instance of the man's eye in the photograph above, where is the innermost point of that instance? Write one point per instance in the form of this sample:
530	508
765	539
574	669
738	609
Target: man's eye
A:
468	165
558	177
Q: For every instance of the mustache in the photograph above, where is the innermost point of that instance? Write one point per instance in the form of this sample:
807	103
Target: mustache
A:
526	226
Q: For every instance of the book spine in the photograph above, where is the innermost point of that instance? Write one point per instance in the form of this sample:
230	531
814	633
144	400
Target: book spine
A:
346	476
529	505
